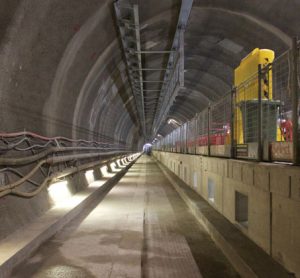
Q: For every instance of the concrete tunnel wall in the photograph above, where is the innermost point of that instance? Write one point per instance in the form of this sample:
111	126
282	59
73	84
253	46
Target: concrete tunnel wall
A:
63	73
273	198
18	212
62	70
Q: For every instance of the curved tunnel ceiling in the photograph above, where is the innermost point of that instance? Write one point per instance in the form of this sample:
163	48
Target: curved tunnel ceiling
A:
63	71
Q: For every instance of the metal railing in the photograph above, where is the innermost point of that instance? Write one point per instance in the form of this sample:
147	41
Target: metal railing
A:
257	120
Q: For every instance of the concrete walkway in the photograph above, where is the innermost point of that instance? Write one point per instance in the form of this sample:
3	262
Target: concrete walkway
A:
141	229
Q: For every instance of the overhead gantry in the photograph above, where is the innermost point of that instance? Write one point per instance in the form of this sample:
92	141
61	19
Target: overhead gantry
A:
153	105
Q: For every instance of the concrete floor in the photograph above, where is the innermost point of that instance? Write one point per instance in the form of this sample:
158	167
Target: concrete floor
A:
141	229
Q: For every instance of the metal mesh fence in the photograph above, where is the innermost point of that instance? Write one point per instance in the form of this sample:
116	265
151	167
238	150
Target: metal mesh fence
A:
246	118
277	117
259	114
282	97
184	138
191	136
202	132
219	126
177	139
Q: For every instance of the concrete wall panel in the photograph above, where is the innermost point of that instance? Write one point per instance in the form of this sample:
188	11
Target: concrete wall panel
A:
229	201
285	232
259	217
280	181
295	185
273	193
262	177
248	174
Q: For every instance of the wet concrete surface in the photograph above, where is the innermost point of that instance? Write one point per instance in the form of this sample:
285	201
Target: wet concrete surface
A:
142	228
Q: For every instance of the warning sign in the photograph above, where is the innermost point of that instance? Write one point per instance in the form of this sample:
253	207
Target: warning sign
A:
242	150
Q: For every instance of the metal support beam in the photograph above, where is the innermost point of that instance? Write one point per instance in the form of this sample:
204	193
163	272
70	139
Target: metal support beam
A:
232	123
295	102
208	129
181	59
152	69
125	7
152	81
155	52
151	90
138	48
174	77
129	27
259	117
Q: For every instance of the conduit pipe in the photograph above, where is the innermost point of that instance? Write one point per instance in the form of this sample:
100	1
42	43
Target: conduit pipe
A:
8	161
50	161
58	175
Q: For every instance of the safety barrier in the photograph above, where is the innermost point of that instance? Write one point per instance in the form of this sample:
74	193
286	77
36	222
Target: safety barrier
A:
258	119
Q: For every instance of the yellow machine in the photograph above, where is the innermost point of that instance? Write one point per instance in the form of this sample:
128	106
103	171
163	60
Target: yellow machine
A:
248	69
246	101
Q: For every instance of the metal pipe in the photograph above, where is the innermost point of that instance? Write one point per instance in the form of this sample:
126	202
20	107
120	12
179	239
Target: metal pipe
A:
152	81
259	117
51	161
19	174
232	123
295	101
151	90
208	130
23	179
64	173
7	161
155	51
58	175
151	69
44	138
60	159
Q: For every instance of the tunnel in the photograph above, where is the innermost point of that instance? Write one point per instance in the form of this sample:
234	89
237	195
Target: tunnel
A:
149	138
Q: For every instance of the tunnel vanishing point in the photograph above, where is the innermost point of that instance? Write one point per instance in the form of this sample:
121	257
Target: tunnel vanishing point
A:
149	138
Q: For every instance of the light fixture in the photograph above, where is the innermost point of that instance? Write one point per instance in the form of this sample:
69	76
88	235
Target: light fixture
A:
105	173
114	168
59	191
89	175
173	122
